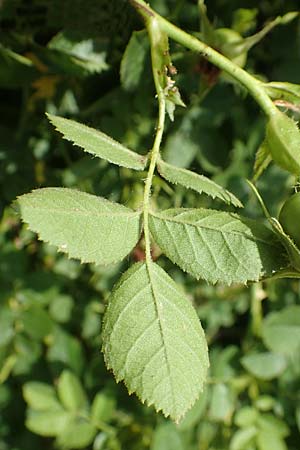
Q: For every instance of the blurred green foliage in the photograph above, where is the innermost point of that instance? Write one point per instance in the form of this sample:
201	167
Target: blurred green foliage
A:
55	392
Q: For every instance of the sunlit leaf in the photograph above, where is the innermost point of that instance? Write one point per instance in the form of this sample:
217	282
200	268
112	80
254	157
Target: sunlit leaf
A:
198	183
153	340
215	245
86	227
98	143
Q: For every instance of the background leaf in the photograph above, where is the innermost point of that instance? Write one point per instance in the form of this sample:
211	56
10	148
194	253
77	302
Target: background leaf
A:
47	423
70	392
284	91
133	60
264	365
198	183
281	330
167	437
216	135
40	396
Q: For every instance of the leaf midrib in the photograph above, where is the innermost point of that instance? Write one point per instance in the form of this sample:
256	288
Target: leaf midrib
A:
96	134
148	268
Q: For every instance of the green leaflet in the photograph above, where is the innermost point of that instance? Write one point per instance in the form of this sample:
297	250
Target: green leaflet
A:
98	143
281	331
264	366
78	433
243	437
291	249
198	183
284	91
238	46
153	340
283	140
216	245
70	392
40	396
262	160
75	55
86	227
293	252
133	61
48	423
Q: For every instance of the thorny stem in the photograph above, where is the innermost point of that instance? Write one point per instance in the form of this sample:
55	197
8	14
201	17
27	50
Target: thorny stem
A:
244	78
154	152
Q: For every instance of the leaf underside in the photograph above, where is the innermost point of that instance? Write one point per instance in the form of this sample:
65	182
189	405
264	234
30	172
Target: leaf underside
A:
98	143
153	340
198	183
215	245
84	226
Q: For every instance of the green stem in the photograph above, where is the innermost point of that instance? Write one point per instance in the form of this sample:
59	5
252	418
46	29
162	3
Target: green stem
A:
252	85
155	149
256	310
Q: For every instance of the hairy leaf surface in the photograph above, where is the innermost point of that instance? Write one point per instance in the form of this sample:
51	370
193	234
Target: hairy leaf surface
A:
198	183
216	245
86	227
98	143
153	340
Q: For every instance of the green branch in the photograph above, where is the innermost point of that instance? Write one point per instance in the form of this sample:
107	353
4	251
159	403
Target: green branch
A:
252	85
151	26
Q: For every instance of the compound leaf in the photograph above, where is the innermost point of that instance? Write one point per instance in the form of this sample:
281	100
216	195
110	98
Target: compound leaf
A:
198	183
153	340
86	227
216	245
98	143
